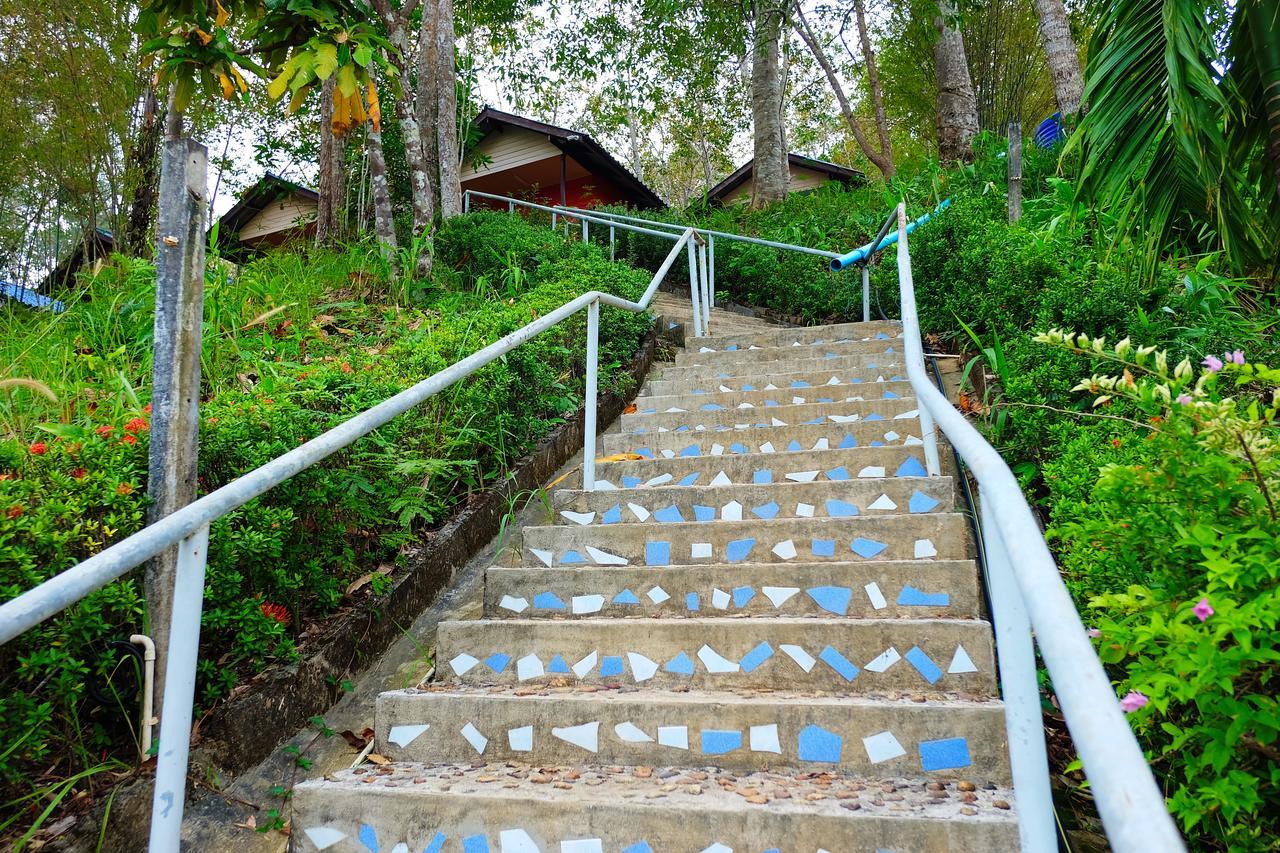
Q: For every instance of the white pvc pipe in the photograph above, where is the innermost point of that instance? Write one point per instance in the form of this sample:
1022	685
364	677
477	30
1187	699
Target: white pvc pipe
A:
694	288
704	282
866	294
711	266
148	692
589	398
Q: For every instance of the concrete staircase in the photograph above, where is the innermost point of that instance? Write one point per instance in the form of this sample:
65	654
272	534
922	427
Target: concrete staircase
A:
763	631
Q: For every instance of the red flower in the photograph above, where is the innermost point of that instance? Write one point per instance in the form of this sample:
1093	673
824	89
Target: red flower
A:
38	448
14	511
147	408
346	368
136	425
105	430
79	473
278	612
124	489
128	439
1115	442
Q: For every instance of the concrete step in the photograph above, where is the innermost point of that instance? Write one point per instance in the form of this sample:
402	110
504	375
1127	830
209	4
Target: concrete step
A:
674	417
824	436
501	807
806	362
888	589
821	380
738	731
941	535
828	655
762	398
810	466
785	336
764	359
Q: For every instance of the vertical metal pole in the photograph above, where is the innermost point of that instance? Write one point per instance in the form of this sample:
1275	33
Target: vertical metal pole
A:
511	207
866	294
586	238
589	398
553	220
704	282
693	287
711	264
169	796
612	247
1017	662
466	202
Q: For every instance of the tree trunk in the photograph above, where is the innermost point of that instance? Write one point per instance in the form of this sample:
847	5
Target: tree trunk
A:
143	177
957	105
383	221
447	113
877	95
770	177
1060	50
328	227
419	179
427	98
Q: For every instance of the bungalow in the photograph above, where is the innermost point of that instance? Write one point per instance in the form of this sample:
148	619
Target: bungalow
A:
522	158
273	211
806	174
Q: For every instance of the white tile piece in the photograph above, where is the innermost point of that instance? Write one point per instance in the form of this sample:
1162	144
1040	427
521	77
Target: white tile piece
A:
673	410
777	422
913	441
890	436
641	667
797	401
732	511
586	735
961	662
521	739
405	735
883	502
884	660
660	479
718	847
872	471
785	549
657	595
700	428
629	732
543	555
604	558
804	510
463	664
529	666
719	599
901	416
843	419
515	605
802	658
834	380
717	450
771	387
638	511
578	517
400	848
516	841
324	837
767	447
802	476
715	662
700	550
876	596
779	595
668	454
924	549
746	405
586	604
821	444
726	389
478	741
674	736
765	739
721	479
584	666
605	486
882	747
705	349
582	845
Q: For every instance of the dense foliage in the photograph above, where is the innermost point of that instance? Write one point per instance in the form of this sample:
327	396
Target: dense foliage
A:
294	344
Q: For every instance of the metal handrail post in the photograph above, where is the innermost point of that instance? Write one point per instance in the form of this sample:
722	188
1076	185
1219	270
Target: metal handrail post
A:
704	282
711	267
586	234
170	792
1024	728
511	207
694	288
866	294
466	201
612	243
554	220
589	398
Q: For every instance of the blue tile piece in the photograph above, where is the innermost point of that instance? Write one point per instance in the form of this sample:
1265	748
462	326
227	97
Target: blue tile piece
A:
737	447
947	754
841	509
612	515
855	380
657	553
668	514
881	336
611	665
912	597
826	400
649	412
765	511
497	661
841	473
824	547
872	366
681	429
841	664
877	443
738	550
723	376
475	844
710	407
691	602
644	452
631	482
833	599
720	741
436	845
874	416
762	426
548	601
626	597
923	664
890	349
691	450
911	468
641	430
829	355
742	596
920	502
794	445
889	395
847	443
639	847
689	479
762	477
704	513
680	665
700	391
747	388
368	838
731	348
818	744
799	383
755	657
570	558
813	422
558	665
867	548
771	402
896	379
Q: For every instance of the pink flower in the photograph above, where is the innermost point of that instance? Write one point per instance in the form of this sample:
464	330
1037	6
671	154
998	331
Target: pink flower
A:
1202	610
1094	633
1236	357
1212	363
1133	701
1184	399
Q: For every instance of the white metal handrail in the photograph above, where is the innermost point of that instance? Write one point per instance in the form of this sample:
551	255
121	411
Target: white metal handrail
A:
1028	595
188	528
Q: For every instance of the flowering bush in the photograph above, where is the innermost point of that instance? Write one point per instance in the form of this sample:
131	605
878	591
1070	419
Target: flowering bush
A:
1193	637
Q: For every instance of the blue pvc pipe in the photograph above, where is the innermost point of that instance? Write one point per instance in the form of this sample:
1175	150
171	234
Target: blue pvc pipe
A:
864	252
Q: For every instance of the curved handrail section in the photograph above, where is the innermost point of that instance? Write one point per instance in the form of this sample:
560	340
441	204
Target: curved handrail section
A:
1128	799
883	240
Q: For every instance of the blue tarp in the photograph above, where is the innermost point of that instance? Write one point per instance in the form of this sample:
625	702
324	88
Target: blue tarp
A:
26	296
1049	132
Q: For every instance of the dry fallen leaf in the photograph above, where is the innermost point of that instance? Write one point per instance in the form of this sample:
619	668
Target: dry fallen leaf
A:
379	759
